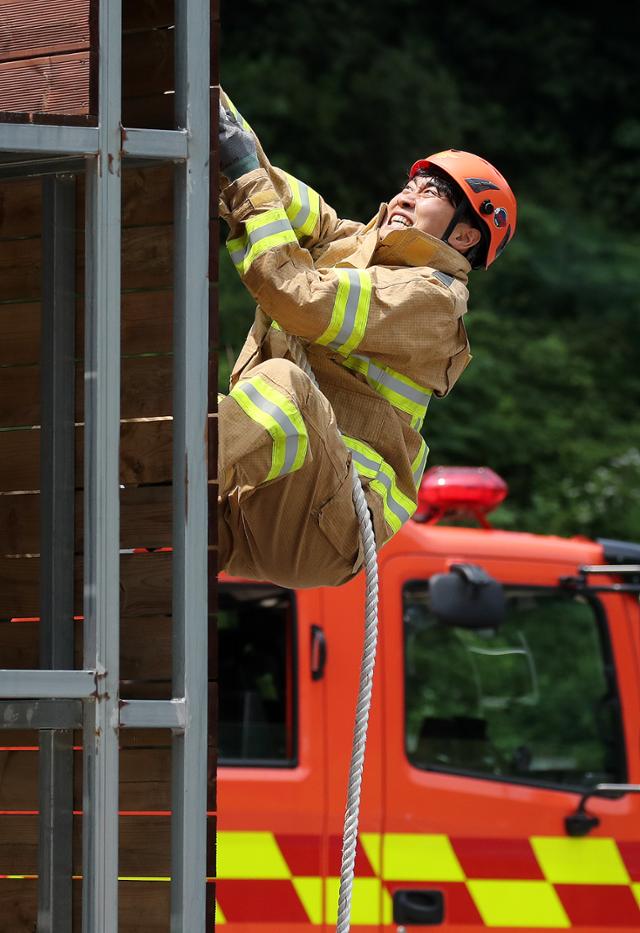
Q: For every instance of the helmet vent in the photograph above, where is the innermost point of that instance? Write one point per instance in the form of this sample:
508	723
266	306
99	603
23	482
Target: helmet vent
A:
480	184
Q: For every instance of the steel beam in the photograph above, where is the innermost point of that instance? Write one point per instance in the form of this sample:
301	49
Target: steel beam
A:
44	685
41	714
55	762
153	714
155	144
190	317
47	138
101	507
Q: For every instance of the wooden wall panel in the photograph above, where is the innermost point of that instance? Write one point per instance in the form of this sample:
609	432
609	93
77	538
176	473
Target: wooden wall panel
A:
52	84
30	28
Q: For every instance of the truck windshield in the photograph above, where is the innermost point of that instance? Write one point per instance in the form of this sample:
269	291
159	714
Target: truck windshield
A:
534	701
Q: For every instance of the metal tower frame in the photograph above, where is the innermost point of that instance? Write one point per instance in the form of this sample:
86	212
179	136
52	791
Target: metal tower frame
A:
57	699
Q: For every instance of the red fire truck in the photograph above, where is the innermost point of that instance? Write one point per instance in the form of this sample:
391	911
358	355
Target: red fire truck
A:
502	735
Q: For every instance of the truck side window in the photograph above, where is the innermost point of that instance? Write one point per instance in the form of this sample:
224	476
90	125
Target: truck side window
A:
534	701
257	697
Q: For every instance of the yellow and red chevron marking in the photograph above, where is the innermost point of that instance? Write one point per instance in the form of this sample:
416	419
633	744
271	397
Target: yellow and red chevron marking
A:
540	883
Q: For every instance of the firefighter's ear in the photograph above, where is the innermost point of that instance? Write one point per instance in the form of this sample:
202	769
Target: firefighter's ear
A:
464	237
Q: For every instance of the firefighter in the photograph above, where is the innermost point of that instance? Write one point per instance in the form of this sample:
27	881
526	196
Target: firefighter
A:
378	309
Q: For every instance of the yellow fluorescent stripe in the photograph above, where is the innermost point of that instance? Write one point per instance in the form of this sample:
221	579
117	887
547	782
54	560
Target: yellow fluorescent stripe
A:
220	917
392	520
269	242
635	887
309	890
339	306
278	451
366	904
418	857
372	845
250	855
579	861
284	403
362	315
267	217
518	904
308	226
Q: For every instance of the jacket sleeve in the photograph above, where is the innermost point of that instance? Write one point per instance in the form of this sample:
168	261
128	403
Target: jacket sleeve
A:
405	318
314	222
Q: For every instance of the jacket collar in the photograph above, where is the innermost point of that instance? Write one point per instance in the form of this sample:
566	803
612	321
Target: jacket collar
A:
412	247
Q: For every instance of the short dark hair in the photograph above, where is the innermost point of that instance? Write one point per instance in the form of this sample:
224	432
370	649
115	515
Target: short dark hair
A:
451	190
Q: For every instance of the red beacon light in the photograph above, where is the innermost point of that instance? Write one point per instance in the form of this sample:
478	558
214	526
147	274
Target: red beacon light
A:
449	490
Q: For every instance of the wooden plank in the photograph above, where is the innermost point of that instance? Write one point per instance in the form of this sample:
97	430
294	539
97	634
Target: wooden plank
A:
145	585
42	27
157	111
146	391
146	327
55	85
143	907
147	63
145	653
20	207
146	263
147	14
147	199
145	779
145	520
144	845
145	455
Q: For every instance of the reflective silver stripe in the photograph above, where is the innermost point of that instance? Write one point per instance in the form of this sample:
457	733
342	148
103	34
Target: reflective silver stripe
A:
391	502
444	278
374	372
361	460
305	207
289	428
351	307
419	470
254	236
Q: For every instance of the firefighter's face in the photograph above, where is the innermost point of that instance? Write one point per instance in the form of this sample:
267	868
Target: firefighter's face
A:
420	206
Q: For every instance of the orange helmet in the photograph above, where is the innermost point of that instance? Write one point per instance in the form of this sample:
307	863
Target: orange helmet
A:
487	192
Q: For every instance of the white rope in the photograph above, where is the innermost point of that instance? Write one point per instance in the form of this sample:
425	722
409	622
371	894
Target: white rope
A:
352	811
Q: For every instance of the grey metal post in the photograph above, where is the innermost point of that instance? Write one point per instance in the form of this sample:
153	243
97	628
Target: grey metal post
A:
191	297
101	510
57	385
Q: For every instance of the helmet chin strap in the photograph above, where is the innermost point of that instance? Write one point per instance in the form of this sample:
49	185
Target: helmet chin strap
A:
457	214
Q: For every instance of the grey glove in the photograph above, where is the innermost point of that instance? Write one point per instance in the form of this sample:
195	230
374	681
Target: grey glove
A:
237	146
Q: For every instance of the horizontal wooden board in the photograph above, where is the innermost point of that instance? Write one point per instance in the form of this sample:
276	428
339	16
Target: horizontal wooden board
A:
145	455
145	779
56	84
146	263
145	585
147	63
145	520
146	327
145	845
147	14
147	199
31	28
145	649
146	391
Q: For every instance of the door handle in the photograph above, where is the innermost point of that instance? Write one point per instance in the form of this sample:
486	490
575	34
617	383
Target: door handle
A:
318	652
418	907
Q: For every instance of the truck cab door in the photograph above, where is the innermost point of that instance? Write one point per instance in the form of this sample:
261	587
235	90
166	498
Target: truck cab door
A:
272	768
491	735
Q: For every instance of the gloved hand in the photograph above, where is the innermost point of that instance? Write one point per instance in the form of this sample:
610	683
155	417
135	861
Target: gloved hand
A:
237	146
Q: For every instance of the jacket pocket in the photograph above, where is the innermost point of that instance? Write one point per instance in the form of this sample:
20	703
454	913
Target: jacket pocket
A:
338	522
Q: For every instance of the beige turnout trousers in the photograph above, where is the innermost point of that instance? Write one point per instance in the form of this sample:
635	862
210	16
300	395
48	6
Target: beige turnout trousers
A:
286	512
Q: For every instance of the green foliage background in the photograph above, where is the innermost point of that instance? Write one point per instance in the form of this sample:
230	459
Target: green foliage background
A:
347	95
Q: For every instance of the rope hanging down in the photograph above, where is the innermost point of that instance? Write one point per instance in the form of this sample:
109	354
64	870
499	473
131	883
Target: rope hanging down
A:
352	811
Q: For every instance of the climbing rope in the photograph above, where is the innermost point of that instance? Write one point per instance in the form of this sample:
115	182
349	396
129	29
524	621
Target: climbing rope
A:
363	705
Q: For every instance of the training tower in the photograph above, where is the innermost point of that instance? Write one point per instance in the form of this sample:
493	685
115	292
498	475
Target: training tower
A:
108	265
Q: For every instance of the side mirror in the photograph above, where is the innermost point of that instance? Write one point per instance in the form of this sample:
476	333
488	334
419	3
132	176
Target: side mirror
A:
467	597
580	822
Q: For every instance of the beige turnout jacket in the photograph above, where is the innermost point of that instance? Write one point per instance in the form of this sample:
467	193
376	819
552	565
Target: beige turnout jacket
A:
381	321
